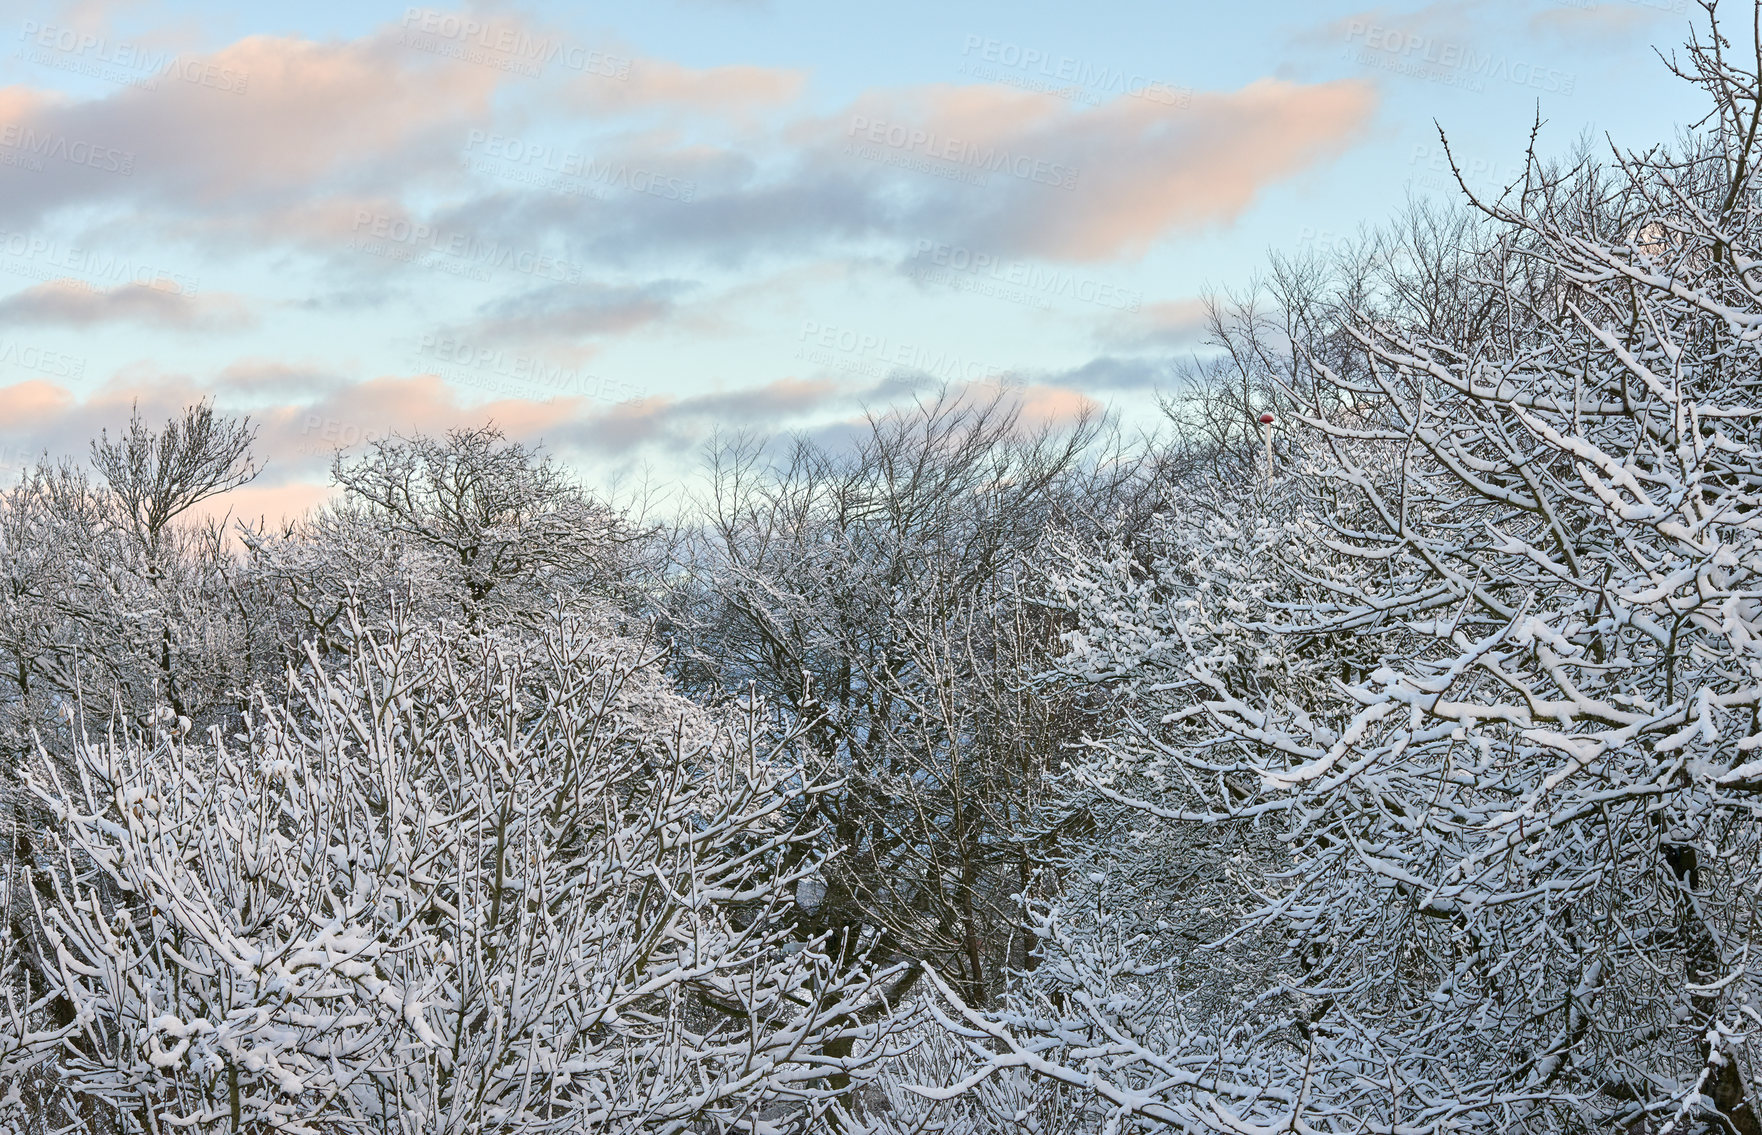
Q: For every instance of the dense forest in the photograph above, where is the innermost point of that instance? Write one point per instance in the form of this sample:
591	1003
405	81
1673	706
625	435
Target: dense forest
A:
1396	770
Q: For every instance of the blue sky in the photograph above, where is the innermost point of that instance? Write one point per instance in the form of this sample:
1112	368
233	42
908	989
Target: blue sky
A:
616	229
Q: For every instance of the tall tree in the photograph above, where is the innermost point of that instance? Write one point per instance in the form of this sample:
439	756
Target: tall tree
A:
1468	699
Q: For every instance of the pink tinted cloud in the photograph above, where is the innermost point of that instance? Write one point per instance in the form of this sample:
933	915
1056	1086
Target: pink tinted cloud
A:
273	504
296	440
998	171
75	303
1100	183
1156	169
1053	405
1162	324
661	83
267	120
346	416
33	403
41	417
295	437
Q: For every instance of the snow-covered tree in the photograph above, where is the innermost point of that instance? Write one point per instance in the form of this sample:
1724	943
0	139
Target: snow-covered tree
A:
867	589
1464	748
500	529
449	886
110	599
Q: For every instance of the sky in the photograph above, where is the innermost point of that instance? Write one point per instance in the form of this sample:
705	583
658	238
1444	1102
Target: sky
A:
618	230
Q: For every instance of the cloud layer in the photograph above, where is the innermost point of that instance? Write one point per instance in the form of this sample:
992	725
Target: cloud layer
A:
452	216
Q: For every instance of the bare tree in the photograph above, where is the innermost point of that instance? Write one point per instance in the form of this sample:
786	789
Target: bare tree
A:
871	592
498	523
